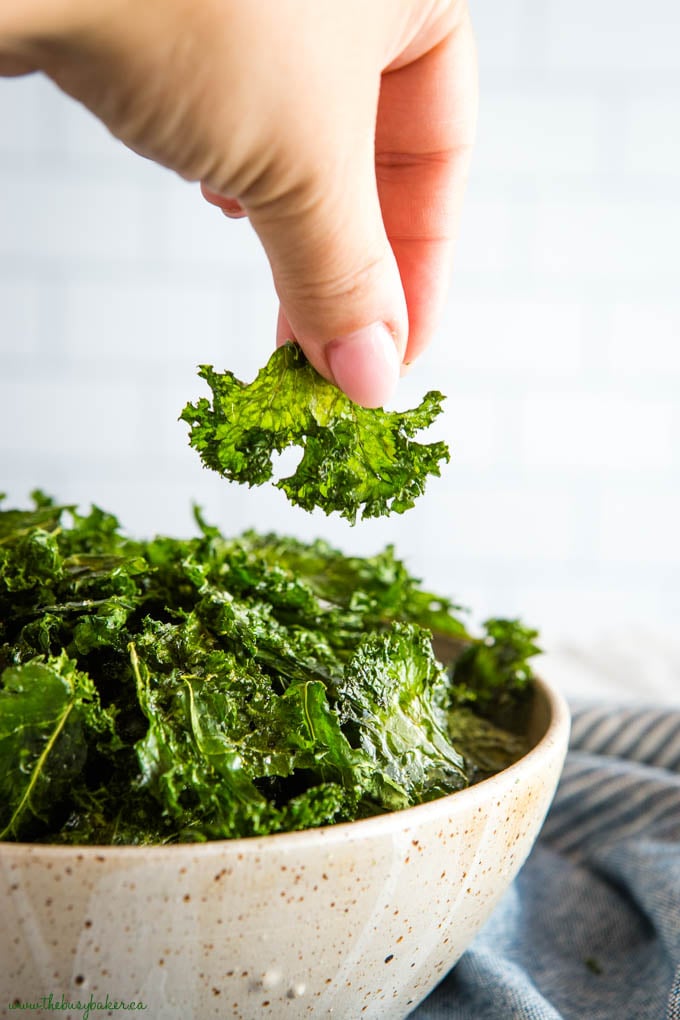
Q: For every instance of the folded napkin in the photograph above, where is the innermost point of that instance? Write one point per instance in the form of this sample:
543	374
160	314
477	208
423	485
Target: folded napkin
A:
590	930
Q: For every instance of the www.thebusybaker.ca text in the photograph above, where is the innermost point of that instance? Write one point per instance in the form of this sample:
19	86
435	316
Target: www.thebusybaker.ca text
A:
91	1005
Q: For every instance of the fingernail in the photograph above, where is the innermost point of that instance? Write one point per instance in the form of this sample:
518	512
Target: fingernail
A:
233	209
365	364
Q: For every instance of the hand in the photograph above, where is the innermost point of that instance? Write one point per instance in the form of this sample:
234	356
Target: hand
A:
341	128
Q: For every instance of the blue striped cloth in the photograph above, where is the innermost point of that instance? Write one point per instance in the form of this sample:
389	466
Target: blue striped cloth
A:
590	930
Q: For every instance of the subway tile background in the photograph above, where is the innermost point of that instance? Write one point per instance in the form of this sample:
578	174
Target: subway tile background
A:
559	351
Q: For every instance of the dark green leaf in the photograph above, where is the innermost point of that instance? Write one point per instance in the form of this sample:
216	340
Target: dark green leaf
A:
493	674
214	687
485	747
354	459
393	692
48	712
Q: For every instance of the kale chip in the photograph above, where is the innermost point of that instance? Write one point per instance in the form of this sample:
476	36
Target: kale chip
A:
190	689
354	458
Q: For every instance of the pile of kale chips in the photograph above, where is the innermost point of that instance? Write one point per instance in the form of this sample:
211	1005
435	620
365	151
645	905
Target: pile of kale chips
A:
176	690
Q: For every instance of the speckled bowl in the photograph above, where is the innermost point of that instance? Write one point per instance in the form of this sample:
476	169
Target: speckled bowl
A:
355	920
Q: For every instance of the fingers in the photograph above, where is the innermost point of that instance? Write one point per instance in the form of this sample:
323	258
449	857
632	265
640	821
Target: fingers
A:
231	207
361	240
334	270
365	366
425	130
274	107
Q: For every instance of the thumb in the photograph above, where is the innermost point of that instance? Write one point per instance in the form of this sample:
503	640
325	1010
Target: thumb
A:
335	274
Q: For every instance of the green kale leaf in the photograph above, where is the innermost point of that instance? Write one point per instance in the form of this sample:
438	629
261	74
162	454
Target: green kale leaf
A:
211	687
354	459
485	747
49	711
493	674
392	695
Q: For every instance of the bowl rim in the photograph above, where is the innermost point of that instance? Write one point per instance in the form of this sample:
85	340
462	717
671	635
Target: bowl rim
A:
554	741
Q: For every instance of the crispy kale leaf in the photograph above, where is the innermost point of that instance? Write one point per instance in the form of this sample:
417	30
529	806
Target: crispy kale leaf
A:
191	689
493	674
392	693
49	711
486	747
354	459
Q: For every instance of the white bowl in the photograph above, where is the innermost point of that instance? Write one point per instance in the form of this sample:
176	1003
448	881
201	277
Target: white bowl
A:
354	920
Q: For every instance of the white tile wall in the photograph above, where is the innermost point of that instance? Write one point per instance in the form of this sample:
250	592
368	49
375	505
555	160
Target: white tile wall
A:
600	431
643	344
509	127
559	351
622	38
630	238
652	141
506	339
635	526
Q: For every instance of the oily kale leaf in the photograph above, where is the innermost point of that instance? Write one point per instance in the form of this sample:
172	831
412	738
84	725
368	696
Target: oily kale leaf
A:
354	459
493	674
392	694
226	750
49	711
190	689
486	748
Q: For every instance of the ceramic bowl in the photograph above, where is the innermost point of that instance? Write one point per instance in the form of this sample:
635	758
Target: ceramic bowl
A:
353	920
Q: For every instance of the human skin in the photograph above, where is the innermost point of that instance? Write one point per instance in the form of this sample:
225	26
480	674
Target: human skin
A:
342	129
